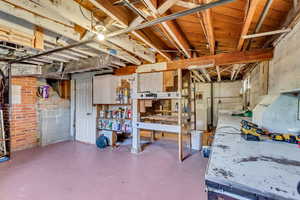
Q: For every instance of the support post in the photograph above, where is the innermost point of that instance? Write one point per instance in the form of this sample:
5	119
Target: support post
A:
180	153
136	141
9	74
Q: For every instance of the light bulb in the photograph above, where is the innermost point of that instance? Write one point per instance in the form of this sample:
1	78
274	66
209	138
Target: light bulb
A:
100	36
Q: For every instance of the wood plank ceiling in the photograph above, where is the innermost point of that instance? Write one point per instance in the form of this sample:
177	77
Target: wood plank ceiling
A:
223	25
214	31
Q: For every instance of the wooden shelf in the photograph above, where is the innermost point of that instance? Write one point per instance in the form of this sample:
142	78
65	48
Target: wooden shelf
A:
106	129
101	118
116	104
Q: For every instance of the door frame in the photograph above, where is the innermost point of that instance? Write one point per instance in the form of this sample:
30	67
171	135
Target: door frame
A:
74	79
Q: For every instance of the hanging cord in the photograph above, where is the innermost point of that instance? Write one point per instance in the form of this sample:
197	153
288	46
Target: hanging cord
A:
2	86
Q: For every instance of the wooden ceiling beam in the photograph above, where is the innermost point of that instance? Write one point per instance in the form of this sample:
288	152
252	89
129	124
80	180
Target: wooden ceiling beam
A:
172	29
36	17
186	4
289	22
247	23
121	17
206	74
199	76
238	71
234	70
218	72
166	6
207	20
237	57
67	10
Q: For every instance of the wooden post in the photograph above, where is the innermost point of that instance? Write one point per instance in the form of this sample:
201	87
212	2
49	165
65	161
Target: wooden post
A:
136	144
189	134
180	153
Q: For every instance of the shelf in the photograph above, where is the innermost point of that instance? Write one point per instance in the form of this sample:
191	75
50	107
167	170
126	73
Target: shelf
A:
114	118
157	96
116	104
106	129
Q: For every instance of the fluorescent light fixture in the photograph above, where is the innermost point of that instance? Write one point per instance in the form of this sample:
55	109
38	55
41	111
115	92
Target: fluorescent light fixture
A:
100	36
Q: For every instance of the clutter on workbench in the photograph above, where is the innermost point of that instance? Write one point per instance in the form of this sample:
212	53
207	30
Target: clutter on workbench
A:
252	132
247	113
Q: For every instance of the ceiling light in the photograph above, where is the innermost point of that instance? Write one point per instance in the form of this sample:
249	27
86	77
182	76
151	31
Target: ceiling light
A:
100	36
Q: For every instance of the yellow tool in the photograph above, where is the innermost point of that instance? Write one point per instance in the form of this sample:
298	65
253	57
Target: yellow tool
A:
290	138
250	133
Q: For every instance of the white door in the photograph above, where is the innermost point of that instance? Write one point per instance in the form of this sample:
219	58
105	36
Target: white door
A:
85	112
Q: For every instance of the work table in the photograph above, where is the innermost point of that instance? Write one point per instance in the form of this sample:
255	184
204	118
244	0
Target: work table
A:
243	169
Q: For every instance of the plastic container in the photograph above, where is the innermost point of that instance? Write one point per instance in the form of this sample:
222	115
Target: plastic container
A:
196	140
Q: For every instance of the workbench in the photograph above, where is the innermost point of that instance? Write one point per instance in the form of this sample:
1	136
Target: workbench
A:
242	169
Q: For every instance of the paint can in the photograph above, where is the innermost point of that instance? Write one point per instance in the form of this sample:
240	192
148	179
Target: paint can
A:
206	151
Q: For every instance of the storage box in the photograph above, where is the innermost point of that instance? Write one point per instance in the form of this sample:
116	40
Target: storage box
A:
196	139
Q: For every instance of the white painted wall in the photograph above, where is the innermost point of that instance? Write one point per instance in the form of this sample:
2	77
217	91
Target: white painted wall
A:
284	73
227	96
281	113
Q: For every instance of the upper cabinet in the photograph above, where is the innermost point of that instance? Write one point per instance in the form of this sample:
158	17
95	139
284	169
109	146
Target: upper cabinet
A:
104	89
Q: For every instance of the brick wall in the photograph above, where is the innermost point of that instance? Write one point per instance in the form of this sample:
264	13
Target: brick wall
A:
24	128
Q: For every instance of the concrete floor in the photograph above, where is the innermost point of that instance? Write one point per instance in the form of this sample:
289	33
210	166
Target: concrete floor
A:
73	171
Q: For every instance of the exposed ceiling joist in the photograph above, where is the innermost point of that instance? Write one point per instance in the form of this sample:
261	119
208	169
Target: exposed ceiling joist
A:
206	74
165	6
226	69
234	70
267	33
207	21
186	4
67	10
66	31
32	6
218	72
237	57
120	16
199	76
291	19
196	78
83	54
71	53
52	41
295	4
238	71
63	55
247	23
172	29
60	42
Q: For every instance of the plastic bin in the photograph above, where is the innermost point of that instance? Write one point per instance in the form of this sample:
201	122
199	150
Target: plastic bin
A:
196	140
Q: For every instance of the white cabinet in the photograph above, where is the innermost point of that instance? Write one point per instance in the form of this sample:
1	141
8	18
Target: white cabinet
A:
104	89
152	82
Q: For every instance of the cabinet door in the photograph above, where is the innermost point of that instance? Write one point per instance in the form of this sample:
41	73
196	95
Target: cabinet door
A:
103	89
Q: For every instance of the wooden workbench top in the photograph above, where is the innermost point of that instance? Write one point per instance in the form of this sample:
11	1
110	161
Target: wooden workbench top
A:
267	168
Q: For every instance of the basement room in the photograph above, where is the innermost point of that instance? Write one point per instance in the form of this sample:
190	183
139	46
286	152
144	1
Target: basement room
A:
150	99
